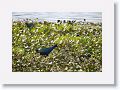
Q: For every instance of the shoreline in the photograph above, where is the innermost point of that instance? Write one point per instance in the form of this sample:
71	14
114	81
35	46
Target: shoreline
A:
55	21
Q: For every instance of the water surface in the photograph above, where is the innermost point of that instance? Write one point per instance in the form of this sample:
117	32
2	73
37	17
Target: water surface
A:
54	16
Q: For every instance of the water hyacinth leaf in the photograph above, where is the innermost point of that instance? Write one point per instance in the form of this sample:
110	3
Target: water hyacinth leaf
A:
79	47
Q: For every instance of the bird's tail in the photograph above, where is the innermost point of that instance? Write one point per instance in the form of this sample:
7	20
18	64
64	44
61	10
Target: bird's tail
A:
55	45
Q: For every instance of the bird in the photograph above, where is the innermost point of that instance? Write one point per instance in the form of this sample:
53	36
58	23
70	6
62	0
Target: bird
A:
64	21
45	51
29	24
84	20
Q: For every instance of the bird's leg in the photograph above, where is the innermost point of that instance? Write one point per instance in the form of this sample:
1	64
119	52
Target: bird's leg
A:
45	56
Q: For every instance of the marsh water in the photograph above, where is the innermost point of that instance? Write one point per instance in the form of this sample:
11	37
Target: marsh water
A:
54	16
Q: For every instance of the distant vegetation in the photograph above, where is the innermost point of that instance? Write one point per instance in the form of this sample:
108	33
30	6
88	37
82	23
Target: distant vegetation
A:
79	46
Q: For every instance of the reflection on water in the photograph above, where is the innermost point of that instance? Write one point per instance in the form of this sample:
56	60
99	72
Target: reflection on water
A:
54	16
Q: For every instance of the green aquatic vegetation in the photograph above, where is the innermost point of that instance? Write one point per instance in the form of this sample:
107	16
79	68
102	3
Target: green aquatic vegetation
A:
79	47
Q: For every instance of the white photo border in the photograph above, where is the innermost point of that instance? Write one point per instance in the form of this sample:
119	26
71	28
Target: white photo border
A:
104	6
